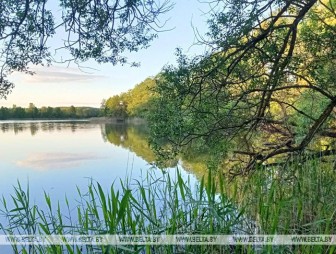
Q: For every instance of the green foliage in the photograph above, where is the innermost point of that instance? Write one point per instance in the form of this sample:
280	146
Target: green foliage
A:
296	200
33	112
116	107
318	33
98	30
138	99
312	104
268	78
187	110
135	103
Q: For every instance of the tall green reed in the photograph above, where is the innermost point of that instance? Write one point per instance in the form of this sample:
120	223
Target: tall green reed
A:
159	203
294	199
297	199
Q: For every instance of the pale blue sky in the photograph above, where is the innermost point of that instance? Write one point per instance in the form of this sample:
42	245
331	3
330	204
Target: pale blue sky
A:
62	86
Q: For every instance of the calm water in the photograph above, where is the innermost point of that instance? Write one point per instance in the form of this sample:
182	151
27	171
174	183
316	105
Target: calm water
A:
58	156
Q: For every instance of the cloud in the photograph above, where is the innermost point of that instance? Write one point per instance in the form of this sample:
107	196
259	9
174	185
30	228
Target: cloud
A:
47	161
56	74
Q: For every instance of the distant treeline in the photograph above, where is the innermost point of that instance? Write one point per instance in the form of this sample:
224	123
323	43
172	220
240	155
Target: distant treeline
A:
33	112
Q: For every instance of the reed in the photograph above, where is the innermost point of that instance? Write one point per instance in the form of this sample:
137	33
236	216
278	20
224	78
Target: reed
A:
159	204
299	199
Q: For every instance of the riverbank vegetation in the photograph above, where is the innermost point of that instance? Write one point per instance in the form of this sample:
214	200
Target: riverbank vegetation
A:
264	95
160	203
300	201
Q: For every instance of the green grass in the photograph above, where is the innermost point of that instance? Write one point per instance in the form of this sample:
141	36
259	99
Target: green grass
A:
159	204
299	199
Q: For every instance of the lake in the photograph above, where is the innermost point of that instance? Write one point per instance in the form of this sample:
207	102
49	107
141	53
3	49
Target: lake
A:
58	156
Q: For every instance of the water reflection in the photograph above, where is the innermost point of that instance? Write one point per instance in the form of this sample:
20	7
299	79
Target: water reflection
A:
34	127
296	197
57	156
130	137
57	160
45	126
134	138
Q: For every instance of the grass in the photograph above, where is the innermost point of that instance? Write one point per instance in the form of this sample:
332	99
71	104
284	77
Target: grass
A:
159	204
295	200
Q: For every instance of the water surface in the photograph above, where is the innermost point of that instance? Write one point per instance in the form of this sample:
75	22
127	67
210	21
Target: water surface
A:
57	156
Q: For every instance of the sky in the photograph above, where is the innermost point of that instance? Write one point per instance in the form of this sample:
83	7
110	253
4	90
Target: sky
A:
62	85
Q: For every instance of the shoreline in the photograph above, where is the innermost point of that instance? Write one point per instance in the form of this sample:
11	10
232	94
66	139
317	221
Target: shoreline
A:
111	120
114	120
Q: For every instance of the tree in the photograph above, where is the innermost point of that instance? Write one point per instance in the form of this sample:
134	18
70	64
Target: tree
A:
18	113
137	101
57	112
32	111
103	109
269	76
92	29
4	113
72	112
112	105
138	98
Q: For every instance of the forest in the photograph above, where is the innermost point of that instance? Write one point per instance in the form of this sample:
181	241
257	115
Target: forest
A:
32	112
